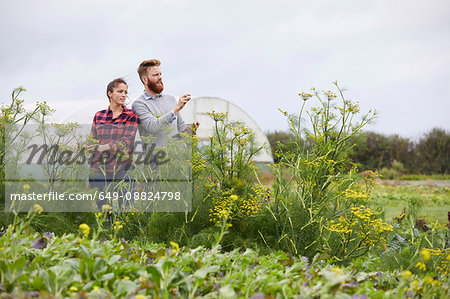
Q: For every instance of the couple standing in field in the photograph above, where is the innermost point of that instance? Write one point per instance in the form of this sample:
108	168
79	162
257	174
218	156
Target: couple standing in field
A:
115	127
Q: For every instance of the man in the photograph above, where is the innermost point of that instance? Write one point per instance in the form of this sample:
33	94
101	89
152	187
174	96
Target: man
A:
159	114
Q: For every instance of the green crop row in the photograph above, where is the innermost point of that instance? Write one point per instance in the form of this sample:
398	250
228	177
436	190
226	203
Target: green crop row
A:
78	265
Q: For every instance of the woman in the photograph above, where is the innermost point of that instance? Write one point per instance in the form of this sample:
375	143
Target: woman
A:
115	129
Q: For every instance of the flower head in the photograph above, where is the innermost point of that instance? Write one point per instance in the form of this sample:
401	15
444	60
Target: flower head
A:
330	95
429	280
106	208
416	285
218	116
175	246
234	197
337	270
406	274
117	225
38	208
421	266
85	229
305	96
425	254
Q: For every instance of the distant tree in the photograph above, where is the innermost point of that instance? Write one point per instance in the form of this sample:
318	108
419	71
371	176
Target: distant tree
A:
433	152
400	151
375	151
371	150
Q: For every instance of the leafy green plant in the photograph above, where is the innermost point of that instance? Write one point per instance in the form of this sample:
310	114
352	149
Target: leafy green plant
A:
14	119
78	265
322	183
223	173
230	151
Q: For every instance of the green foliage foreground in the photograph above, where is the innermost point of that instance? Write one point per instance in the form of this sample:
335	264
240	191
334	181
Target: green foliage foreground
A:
80	265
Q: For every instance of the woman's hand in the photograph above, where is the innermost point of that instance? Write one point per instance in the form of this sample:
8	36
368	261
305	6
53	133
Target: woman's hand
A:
98	148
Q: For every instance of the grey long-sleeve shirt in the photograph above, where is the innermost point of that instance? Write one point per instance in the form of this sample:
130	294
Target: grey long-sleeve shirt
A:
156	117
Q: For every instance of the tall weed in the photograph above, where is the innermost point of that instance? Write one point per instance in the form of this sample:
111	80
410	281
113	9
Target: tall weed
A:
319	208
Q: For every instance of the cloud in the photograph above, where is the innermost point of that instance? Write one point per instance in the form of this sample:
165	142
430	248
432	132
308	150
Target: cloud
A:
323	23
258	54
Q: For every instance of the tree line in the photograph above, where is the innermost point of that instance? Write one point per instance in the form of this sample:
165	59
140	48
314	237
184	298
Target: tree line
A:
429	154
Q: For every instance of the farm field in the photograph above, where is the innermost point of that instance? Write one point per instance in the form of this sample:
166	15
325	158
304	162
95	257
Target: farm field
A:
315	227
432	201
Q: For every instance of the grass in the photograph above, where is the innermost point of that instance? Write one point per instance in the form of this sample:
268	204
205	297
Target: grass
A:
425	177
393	198
435	200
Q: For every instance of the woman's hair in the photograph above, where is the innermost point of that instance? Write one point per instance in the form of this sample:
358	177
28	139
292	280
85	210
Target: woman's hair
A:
113	84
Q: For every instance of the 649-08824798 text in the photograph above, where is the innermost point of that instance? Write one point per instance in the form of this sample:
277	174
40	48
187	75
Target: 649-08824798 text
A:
144	196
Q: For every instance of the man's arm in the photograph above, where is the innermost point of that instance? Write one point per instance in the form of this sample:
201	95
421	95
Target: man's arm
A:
181	125
148	120
181	103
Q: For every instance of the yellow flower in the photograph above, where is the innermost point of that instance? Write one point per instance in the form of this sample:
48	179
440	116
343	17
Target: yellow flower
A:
406	274
117	225
425	254
126	278
26	187
421	266
416	285
85	229
337	270
38	208
97	289
305	96
175	246
429	280
106	207
234	197
141	296
73	289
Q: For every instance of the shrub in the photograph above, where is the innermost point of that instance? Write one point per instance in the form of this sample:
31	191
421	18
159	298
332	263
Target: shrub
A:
323	186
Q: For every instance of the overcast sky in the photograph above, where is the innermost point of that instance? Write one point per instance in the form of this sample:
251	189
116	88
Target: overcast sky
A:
392	56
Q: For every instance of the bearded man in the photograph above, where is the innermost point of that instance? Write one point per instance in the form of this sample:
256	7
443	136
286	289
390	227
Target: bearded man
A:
158	113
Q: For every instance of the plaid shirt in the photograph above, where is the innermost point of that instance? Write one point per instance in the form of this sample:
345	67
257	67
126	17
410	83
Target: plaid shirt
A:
119	133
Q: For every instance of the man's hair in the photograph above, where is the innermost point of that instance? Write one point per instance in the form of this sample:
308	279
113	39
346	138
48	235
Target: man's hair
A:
113	84
145	65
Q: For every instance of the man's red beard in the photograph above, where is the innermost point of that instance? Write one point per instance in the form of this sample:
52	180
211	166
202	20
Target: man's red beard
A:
155	87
